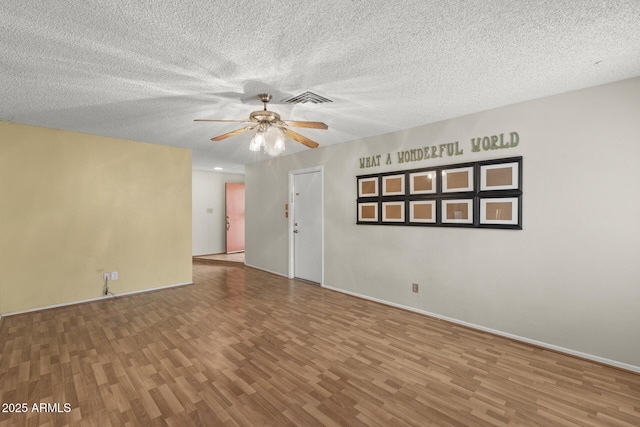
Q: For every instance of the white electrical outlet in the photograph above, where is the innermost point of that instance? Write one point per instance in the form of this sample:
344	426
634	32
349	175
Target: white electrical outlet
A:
414	287
106	276
114	275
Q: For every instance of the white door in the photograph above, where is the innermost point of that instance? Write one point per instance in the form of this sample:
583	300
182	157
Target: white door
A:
307	226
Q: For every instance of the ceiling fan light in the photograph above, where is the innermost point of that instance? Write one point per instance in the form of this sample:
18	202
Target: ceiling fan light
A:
257	142
274	141
254	145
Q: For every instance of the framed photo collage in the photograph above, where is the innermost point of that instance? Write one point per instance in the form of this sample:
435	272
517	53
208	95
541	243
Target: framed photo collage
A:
485	194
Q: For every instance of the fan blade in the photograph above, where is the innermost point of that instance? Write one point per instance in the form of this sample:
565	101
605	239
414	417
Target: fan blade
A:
312	125
232	133
301	139
226	121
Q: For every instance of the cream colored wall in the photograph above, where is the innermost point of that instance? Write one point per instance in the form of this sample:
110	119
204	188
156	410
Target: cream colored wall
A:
569	279
77	205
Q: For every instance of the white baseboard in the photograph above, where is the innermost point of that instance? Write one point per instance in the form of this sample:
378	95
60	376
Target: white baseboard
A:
64	304
268	271
591	357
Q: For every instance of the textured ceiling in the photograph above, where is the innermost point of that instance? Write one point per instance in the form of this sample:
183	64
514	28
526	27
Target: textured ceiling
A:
143	70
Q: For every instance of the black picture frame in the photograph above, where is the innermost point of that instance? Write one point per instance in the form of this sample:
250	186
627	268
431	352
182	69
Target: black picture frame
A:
491	191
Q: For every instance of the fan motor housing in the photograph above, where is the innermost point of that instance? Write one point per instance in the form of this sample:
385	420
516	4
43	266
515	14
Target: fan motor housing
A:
264	116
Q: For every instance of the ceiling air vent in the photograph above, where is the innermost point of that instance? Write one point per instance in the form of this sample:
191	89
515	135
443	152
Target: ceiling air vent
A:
306	97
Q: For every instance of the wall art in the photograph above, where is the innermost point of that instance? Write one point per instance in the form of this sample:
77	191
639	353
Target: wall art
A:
368	187
422	211
499	211
457	211
485	194
458	180
368	212
422	182
393	185
392	211
500	176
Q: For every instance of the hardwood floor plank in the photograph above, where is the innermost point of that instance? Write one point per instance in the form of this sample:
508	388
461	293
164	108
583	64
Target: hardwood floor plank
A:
242	347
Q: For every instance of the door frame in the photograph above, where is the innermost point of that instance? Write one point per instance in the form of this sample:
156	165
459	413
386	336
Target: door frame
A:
292	207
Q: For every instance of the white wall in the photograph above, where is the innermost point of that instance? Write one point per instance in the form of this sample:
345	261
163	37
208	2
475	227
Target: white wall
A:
208	193
570	278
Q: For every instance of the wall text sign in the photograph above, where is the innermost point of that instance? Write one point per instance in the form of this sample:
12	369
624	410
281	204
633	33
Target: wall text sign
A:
450	149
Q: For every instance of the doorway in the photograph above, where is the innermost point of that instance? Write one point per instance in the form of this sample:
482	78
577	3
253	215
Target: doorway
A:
306	223
234	216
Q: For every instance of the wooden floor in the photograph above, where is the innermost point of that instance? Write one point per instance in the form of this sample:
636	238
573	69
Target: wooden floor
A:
244	347
234	257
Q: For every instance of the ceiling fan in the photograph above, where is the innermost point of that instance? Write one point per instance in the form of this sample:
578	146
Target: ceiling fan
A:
270	129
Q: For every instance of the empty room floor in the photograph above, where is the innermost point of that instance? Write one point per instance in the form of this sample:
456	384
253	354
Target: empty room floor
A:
233	257
245	347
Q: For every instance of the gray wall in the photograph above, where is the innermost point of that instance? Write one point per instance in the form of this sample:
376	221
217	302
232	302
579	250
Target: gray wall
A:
570	279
